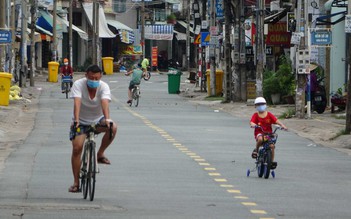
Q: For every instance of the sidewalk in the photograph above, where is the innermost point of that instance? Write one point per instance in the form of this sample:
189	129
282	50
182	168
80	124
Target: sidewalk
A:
323	129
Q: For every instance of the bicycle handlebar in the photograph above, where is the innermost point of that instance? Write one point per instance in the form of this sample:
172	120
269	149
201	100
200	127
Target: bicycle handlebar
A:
266	133
93	127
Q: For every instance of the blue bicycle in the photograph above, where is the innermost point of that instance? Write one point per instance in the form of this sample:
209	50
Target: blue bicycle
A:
263	163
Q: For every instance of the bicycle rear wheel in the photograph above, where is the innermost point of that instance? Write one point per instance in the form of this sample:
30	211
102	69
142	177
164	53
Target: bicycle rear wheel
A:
136	96
147	76
92	172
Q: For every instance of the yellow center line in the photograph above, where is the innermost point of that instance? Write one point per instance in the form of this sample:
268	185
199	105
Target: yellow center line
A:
220	180
234	191
214	174
258	212
249	203
201	162
226	186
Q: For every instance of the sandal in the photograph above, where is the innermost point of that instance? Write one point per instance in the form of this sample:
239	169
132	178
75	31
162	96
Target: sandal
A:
274	165
74	189
254	154
103	160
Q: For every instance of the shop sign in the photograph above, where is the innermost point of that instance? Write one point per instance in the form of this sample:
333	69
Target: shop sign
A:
321	37
154	54
277	34
5	36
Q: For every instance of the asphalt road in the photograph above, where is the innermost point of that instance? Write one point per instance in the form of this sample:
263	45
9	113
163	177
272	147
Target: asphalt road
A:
171	159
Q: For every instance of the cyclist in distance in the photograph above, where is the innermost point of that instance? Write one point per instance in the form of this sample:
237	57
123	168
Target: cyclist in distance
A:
66	70
145	64
137	74
264	119
91	106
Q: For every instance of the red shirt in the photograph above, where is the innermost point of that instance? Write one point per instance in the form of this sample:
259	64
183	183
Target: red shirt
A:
66	70
265	123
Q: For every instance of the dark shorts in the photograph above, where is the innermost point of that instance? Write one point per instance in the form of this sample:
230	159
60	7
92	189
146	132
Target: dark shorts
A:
132	84
83	129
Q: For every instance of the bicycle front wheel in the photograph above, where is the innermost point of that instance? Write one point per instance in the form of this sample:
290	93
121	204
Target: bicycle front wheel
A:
92	172
66	89
267	164
84	171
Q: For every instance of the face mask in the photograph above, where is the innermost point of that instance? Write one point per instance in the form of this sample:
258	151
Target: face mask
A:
261	108
66	63
93	84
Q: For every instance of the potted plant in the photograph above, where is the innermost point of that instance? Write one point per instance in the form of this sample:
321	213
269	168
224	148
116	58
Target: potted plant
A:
281	83
171	19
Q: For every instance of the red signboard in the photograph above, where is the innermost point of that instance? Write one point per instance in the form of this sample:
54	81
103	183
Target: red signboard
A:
277	34
154	56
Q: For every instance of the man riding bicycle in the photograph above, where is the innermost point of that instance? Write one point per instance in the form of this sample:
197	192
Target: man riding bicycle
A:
137	74
145	64
91	106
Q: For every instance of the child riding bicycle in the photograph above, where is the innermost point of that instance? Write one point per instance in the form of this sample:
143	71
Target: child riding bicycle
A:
264	119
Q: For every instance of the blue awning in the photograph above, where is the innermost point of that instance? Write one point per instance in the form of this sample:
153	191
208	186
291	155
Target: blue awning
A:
45	21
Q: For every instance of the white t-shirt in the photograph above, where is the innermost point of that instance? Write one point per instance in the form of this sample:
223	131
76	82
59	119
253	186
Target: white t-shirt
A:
90	109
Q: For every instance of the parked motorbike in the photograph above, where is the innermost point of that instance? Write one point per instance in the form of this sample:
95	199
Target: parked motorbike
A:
173	64
338	100
319	100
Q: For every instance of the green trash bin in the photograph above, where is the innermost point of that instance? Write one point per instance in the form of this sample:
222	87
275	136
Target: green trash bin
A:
174	81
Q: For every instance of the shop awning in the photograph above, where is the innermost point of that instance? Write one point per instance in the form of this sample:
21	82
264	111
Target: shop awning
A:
45	21
125	33
37	36
173	1
104	32
274	18
42	30
184	25
80	32
180	36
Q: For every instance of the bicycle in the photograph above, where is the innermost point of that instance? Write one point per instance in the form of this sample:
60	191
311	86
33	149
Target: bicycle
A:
147	76
66	80
135	95
263	163
89	166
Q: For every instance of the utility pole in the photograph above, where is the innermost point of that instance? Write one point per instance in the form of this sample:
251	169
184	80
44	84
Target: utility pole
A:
13	32
260	53
70	33
188	36
212	53
142	38
2	27
54	32
203	53
33	11
348	102
227	53
24	65
96	39
302	13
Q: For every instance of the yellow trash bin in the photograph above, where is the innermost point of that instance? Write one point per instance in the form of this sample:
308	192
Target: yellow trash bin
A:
107	63
53	71
5	83
219	82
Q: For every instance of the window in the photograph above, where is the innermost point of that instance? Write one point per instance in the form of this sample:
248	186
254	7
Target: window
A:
160	15
119	6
